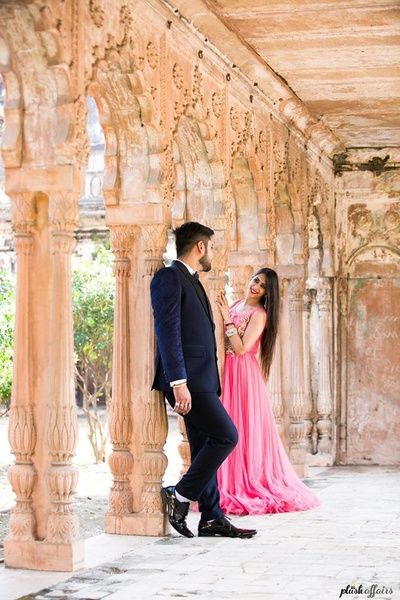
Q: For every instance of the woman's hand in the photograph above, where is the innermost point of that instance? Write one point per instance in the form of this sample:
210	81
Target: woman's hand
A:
223	306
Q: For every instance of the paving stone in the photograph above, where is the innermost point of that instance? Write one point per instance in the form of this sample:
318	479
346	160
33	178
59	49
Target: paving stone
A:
353	536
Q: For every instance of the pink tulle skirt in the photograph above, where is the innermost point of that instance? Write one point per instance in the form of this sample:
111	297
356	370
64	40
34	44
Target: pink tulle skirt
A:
257	478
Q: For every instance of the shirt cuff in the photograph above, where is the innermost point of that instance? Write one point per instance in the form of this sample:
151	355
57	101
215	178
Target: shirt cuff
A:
172	383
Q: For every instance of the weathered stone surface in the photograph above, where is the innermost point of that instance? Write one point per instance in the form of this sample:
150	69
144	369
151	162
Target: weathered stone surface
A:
368	259
341	58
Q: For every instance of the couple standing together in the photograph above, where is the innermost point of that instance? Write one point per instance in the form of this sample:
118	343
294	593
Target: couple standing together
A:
238	462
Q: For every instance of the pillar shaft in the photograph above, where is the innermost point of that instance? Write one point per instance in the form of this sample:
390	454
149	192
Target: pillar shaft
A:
22	431
275	386
120	414
51	528
296	394
151	519
63	526
324	399
308	409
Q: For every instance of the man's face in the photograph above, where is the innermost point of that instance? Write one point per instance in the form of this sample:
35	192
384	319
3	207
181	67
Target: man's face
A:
207	257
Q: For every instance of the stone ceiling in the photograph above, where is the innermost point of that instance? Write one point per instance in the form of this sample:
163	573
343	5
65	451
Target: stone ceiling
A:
341	57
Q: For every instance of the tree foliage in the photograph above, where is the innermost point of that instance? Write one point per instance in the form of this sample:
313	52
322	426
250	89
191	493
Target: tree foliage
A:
7	297
93	310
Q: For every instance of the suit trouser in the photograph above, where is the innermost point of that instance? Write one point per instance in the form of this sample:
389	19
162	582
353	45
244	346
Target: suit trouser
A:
212	436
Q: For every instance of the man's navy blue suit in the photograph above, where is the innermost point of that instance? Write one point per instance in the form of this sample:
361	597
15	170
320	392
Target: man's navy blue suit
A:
187	349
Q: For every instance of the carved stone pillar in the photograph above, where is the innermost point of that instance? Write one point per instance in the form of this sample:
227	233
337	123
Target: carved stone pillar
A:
120	414
296	394
308	409
22	431
342	299
44	370
275	386
150	520
61	424
324	399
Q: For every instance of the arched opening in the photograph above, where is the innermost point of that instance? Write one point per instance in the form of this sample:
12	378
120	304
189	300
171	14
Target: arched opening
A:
7	312
93	293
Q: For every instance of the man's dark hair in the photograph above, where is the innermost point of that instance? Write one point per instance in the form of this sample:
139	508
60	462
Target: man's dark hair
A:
188	234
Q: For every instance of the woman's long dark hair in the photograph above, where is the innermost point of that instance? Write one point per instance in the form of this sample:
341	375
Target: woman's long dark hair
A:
270	302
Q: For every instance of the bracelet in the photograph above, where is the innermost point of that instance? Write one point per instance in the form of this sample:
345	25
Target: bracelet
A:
179	385
231	331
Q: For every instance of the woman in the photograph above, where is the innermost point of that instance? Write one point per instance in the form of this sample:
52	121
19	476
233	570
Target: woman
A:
257	478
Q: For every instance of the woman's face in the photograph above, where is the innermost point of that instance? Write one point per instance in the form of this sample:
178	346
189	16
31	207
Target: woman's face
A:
257	287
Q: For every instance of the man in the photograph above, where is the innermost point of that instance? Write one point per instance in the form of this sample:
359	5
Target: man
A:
187	372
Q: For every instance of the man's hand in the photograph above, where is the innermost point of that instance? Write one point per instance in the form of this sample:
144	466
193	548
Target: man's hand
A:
183	400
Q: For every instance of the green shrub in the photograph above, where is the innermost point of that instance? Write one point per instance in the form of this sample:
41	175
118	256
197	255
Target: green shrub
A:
7	297
93	310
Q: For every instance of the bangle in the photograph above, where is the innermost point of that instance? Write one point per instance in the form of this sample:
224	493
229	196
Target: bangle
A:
231	331
178	385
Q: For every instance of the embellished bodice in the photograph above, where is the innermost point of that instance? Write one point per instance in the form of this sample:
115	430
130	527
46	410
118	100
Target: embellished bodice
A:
241	319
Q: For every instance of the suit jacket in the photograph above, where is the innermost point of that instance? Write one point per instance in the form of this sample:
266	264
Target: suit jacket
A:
184	326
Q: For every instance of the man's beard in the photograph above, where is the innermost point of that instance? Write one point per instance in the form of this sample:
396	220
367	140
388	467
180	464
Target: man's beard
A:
205	263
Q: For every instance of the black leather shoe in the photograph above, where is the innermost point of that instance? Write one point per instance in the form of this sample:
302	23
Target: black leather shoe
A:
177	511
222	527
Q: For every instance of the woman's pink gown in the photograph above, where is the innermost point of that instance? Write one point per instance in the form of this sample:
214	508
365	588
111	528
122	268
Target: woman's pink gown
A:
257	477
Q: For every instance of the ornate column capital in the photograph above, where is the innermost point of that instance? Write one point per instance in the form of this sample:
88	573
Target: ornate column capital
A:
64	211
64	219
122	238
154	239
23	220
296	293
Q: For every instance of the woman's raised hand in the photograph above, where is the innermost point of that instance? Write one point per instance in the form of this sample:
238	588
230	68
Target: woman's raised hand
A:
223	306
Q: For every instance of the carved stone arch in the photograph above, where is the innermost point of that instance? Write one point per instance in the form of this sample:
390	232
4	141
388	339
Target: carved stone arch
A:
259	162
134	143
39	109
246	201
285	224
199	173
297	183
374	260
194	176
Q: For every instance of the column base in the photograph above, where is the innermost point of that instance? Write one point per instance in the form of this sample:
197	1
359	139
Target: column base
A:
43	556
137	524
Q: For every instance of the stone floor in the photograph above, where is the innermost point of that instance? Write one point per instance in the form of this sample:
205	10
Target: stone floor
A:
352	540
